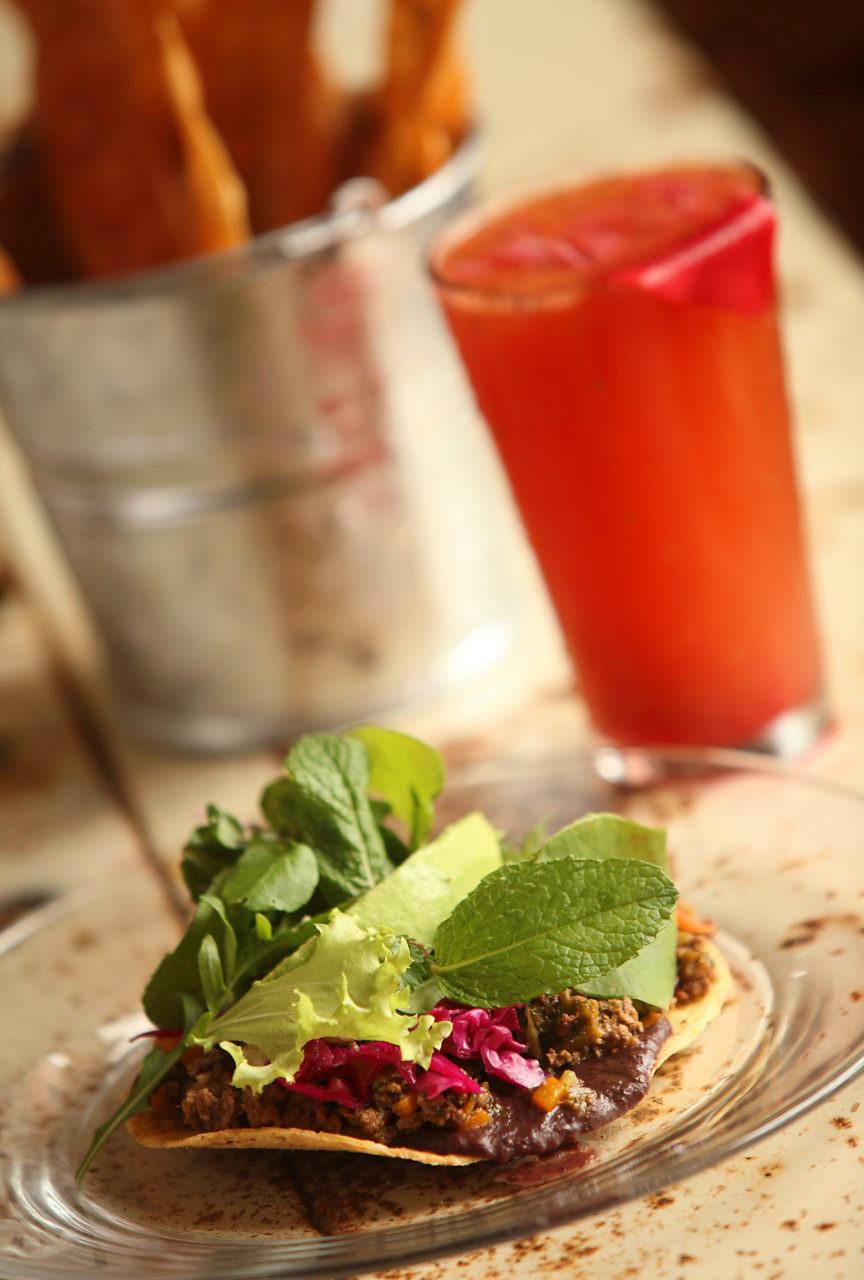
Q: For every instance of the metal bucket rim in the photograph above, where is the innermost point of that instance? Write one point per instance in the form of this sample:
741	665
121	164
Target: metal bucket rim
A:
300	241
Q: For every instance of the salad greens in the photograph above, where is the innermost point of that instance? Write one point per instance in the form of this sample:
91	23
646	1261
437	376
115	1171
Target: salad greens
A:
345	982
424	890
337	917
530	929
650	975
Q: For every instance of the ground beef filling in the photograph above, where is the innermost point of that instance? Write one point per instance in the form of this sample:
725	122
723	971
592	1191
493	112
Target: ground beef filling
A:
198	1094
695	969
603	1050
564	1029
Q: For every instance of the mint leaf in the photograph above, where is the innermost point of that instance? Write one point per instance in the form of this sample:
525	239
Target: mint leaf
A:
271	876
422	892
345	982
396	848
407	773
536	927
650	976
323	803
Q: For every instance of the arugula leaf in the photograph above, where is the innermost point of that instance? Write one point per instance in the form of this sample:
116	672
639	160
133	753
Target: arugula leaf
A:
419	970
408	773
323	803
417	896
345	982
154	1069
179	972
212	978
651	975
271	875
535	927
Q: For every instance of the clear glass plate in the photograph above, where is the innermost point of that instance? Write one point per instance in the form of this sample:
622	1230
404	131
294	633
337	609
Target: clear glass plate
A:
774	856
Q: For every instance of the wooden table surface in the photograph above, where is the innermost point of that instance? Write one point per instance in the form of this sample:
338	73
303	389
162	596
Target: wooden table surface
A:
565	86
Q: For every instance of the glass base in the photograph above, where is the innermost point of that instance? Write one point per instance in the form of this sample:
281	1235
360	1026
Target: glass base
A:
788	736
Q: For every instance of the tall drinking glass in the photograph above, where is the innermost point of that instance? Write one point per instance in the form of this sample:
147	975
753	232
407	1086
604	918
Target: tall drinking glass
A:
622	341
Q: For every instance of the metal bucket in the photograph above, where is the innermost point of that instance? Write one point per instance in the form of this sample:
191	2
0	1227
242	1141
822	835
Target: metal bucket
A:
268	475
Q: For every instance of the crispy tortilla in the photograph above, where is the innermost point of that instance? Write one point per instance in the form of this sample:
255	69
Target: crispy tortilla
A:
153	1130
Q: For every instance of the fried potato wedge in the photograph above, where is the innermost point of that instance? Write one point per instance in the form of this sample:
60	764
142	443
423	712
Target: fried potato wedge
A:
9	278
282	119
154	1130
138	173
30	230
412	123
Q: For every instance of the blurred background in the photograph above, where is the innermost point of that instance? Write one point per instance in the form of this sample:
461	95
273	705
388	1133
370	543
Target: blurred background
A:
798	67
795	65
587	85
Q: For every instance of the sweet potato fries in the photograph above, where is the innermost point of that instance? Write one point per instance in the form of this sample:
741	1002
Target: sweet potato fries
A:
173	128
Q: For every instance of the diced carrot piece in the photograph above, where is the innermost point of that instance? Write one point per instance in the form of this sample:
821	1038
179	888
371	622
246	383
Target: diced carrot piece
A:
689	922
406	1106
476	1119
549	1094
9	278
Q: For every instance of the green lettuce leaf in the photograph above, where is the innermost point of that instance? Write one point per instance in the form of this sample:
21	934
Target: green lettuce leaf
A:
407	773
607	835
345	982
417	896
651	975
536	927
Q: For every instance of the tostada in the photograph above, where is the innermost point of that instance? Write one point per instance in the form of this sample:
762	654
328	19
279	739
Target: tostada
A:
349	983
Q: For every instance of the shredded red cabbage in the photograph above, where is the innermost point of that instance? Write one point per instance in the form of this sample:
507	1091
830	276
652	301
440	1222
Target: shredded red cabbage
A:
336	1071
488	1034
442	1075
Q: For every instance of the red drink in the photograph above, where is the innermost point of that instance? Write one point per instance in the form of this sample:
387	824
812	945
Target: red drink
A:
622	342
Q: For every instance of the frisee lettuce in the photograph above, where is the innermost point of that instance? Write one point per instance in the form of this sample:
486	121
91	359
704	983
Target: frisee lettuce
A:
344	983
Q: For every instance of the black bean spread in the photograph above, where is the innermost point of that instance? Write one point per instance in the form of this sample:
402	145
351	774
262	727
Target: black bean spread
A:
610	1086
